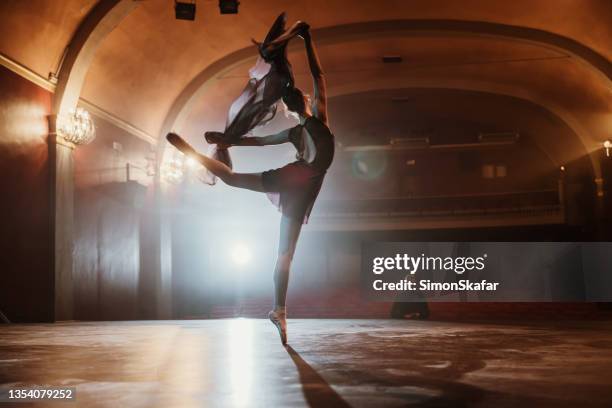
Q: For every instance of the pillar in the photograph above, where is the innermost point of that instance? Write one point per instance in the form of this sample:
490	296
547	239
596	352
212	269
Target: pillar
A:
61	166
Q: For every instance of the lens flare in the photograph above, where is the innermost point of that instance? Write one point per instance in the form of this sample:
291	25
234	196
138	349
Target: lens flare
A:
369	165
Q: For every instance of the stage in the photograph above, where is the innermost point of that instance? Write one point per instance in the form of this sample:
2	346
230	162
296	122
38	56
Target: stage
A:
361	363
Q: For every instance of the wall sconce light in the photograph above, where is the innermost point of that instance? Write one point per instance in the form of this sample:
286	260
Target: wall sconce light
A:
173	171
76	127
607	145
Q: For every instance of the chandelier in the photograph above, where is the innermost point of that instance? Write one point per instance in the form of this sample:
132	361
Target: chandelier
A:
76	127
172	171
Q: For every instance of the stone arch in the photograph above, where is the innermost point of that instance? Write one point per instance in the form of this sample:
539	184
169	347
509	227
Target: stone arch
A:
100	21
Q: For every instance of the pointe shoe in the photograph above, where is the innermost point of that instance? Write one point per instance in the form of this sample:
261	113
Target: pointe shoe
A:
280	321
180	143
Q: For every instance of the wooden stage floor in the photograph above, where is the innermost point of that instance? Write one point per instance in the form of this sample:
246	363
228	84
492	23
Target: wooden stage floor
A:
361	363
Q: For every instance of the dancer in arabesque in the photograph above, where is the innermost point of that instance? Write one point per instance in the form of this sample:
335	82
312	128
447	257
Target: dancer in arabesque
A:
295	186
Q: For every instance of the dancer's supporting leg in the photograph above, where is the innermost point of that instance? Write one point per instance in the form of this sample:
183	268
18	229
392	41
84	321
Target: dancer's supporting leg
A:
289	233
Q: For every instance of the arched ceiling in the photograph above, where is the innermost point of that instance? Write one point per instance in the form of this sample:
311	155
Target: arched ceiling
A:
142	66
35	33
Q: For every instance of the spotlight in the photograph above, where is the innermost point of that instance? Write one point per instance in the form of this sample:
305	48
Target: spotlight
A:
229	6
241	254
184	11
607	145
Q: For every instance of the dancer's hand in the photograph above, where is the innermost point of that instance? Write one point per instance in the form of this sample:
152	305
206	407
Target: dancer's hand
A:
303	29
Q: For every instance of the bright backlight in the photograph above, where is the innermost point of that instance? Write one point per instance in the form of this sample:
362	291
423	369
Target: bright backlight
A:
241	254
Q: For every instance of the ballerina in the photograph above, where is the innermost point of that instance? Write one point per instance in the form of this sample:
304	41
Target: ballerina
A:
293	187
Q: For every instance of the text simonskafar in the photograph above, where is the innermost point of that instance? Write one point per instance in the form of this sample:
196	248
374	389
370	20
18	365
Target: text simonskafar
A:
428	285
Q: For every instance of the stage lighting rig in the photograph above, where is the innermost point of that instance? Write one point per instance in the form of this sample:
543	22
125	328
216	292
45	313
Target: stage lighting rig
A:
229	6
184	11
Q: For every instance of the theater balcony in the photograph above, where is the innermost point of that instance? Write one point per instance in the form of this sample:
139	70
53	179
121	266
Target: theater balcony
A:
544	207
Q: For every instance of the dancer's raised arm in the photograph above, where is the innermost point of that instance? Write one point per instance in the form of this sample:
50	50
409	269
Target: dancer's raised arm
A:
319	108
275	139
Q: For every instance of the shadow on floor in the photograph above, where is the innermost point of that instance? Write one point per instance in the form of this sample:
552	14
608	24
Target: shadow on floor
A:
317	391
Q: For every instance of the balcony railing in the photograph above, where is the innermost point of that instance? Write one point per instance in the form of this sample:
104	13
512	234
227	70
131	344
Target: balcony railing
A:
508	202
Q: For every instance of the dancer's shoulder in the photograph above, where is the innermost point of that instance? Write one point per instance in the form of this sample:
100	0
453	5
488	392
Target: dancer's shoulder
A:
317	121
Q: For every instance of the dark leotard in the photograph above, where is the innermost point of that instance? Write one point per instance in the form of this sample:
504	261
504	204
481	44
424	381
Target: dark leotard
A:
294	187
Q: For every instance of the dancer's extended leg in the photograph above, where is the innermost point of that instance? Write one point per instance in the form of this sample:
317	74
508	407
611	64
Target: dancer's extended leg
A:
289	233
249	181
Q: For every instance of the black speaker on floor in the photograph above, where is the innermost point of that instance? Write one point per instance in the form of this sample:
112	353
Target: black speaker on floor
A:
3	318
